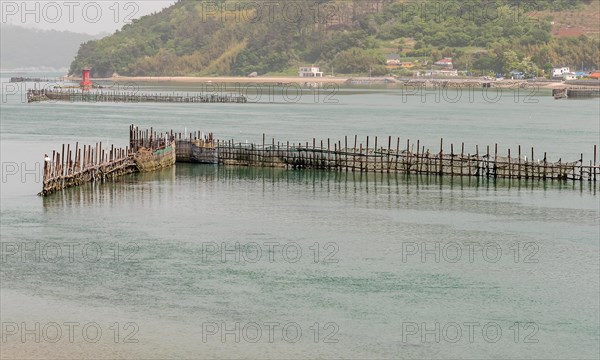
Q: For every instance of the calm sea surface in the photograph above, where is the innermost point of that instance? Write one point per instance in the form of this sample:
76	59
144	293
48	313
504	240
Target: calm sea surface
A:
222	262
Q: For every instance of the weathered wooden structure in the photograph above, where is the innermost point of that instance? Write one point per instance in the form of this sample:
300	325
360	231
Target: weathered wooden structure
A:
575	92
392	157
73	167
128	97
18	79
583	92
149	150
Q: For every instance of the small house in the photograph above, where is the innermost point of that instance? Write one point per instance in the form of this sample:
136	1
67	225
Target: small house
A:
559	71
445	62
310	71
569	76
517	75
392	59
595	75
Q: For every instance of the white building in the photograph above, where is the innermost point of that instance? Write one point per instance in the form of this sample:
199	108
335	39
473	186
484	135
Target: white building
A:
558	72
441	73
310	71
569	76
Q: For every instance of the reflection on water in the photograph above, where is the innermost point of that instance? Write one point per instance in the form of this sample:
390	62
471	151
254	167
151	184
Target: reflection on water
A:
134	186
151	232
156	185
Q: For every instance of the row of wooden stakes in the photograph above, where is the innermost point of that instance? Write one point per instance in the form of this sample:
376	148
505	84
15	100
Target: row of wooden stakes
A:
70	162
87	163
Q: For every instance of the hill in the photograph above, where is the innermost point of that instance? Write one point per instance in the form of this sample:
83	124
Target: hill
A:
23	48
352	37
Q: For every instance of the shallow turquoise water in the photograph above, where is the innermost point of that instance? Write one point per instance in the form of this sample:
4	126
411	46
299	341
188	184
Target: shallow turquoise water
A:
387	266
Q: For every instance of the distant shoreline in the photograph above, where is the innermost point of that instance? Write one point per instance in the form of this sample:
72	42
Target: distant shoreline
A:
301	81
221	79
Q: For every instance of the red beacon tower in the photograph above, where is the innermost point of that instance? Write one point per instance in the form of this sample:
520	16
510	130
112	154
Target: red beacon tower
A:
86	83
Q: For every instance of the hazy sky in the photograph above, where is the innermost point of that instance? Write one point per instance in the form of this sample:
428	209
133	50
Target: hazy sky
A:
92	17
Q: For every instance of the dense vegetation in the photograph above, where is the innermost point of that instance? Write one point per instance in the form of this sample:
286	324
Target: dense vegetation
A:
351	37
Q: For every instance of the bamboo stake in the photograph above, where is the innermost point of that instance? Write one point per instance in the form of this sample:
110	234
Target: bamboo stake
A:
519	166
595	169
510	175
462	156
496	161
346	152
62	160
354	153
388	153
441	156
581	168
451	159
417	158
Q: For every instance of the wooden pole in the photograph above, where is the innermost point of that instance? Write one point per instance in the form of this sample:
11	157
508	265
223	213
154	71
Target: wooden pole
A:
477	159
397	152
451	159
54	163
328	154
388	153
77	158
338	159
320	156
366	156
361	158
581	168
462	156
62	160
354	153
441	156
510	175
417	158
544	165
407	159
487	157
496	161
68	160
519	166
532	164
346	152
57	168
375	155
595	169
70	164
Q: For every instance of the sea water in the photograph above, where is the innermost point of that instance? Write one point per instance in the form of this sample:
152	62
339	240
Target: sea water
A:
225	262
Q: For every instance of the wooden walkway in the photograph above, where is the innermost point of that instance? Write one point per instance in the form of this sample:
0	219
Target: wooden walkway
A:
128	97
149	150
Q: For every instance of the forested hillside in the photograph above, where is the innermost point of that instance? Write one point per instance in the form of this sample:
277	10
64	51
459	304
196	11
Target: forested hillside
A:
352	37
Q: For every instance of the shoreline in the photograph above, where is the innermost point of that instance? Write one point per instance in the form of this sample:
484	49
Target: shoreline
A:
219	79
324	80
